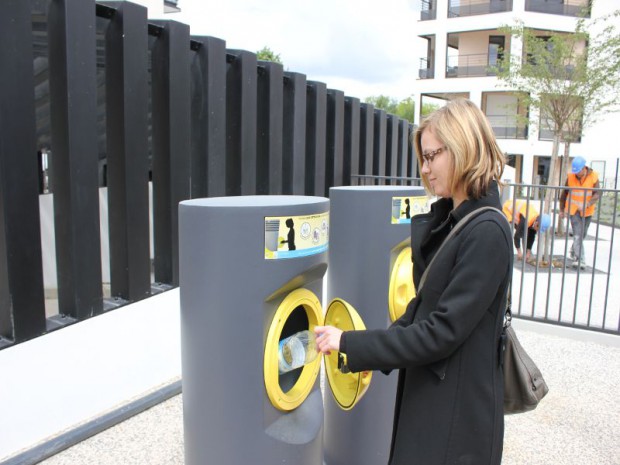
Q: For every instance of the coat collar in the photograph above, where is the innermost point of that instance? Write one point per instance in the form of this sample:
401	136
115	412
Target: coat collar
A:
433	227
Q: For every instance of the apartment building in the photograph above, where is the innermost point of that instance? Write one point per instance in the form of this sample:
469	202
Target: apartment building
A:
463	42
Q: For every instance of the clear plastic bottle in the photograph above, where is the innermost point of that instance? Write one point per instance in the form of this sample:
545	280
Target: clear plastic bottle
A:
296	350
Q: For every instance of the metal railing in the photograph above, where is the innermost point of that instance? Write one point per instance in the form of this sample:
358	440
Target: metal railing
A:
567	290
428	11
458	8
550	289
473	65
426	71
506	127
542	6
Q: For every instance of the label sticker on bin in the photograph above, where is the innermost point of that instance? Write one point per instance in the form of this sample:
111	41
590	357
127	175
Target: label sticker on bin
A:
296	236
403	208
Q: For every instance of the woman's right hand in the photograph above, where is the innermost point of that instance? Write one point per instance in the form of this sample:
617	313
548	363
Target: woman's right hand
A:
327	338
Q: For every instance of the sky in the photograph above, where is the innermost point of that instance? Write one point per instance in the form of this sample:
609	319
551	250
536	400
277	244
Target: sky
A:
362	47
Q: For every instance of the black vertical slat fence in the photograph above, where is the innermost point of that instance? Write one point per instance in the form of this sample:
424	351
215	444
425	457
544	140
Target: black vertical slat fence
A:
316	129
73	105
22	310
127	152
130	101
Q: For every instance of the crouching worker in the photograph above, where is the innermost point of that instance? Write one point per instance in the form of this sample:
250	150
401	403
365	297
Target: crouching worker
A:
525	219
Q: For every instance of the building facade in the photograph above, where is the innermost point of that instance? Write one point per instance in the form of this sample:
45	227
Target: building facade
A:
463	40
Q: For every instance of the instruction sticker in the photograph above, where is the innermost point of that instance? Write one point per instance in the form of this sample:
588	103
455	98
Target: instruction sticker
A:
296	236
404	208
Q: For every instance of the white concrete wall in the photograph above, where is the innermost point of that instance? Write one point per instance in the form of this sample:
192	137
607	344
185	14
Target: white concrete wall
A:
56	382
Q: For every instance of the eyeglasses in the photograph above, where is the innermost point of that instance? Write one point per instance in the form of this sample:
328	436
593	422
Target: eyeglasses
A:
430	156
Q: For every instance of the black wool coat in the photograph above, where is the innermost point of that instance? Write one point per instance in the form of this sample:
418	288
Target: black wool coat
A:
449	401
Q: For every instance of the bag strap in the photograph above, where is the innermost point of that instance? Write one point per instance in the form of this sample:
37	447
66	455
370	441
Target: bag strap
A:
460	225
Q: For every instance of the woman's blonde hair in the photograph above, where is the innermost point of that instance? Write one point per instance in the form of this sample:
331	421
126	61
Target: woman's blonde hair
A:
465	131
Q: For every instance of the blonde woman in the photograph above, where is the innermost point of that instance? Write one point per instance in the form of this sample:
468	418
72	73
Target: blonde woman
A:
449	401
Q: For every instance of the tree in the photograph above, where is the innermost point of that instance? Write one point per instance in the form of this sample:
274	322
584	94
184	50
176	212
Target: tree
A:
570	79
266	54
404	109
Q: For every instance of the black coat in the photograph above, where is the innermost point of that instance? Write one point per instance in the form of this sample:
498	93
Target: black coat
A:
449	402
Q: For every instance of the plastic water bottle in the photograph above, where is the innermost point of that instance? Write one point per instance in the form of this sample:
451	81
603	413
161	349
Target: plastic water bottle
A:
296	351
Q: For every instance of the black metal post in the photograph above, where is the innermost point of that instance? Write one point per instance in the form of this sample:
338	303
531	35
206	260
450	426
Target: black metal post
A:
127	152
241	88
73	103
22	305
391	147
351	139
379	143
294	135
269	128
208	109
316	120
170	79
367	132
401	155
334	162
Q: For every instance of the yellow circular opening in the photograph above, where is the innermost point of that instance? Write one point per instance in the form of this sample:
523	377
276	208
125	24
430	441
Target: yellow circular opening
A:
299	308
401	289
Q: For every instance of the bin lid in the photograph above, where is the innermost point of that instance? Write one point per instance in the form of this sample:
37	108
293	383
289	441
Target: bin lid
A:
347	388
401	289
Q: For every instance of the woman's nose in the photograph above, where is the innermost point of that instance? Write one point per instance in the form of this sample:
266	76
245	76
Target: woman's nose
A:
425	168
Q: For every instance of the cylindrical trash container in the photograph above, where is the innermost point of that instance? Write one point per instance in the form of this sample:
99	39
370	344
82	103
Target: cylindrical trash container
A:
369	267
251	274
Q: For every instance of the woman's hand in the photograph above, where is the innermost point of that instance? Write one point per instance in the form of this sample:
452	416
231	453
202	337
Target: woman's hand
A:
327	338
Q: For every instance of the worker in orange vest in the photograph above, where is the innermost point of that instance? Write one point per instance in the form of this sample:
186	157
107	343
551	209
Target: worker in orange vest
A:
527	222
580	206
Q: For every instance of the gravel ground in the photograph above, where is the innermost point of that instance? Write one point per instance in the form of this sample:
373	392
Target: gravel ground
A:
578	422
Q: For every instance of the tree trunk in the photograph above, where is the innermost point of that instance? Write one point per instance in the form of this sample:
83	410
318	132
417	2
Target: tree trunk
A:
564	173
549	193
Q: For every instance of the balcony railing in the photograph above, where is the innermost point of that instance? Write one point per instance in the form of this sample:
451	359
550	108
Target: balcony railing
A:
429	10
427	70
542	6
474	65
456	9
505	126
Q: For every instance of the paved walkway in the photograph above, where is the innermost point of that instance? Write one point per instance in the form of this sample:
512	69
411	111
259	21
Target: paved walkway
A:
578	423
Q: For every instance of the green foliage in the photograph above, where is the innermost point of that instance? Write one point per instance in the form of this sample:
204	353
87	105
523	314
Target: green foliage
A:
403	109
266	54
570	78
428	108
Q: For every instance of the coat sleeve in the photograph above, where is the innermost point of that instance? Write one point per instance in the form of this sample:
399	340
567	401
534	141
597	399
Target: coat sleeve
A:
481	264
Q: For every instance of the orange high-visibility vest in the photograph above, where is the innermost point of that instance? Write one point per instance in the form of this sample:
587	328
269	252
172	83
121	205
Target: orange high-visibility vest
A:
521	208
576	198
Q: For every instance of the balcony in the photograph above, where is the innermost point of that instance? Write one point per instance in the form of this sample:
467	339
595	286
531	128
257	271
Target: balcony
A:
505	126
429	10
558	7
461	8
474	65
427	70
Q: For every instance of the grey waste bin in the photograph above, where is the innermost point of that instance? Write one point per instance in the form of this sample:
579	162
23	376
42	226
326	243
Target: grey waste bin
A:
251	274
370	268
